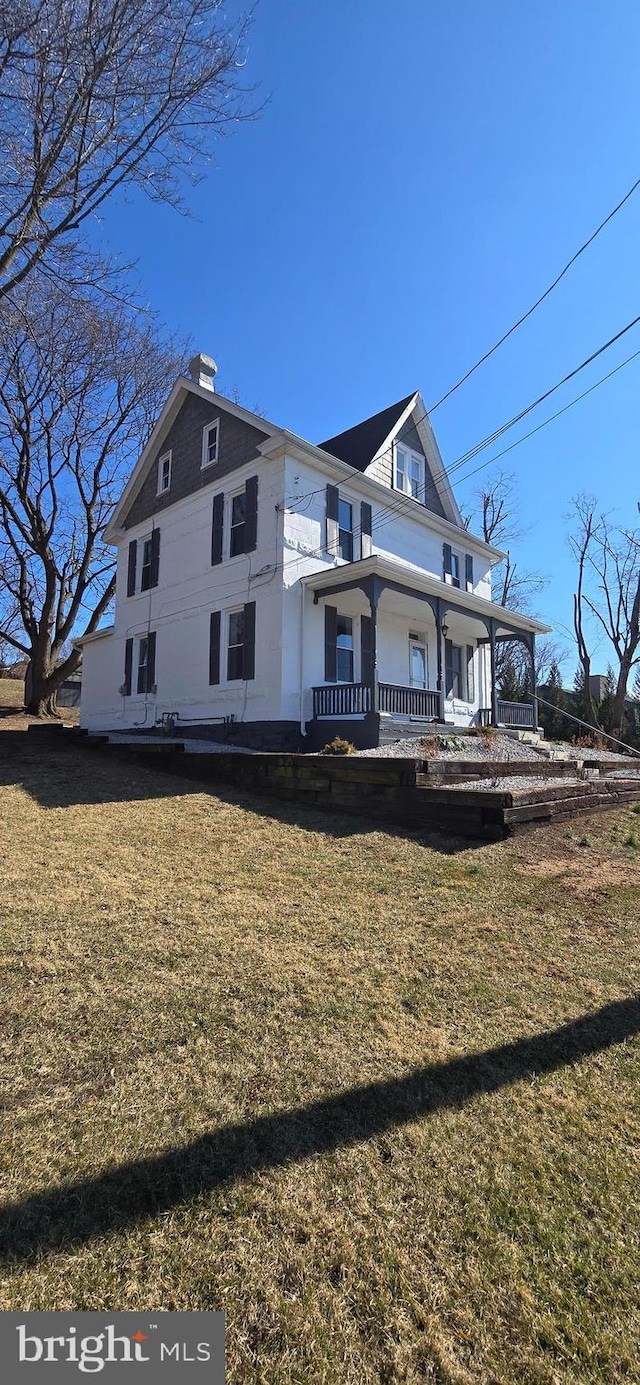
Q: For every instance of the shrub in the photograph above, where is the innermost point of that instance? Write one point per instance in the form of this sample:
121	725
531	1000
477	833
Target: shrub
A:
429	746
338	746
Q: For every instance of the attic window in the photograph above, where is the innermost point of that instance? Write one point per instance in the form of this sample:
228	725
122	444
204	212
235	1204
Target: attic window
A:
410	473
210	443
164	473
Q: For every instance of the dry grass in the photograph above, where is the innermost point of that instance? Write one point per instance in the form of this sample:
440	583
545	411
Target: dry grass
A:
177	965
12	716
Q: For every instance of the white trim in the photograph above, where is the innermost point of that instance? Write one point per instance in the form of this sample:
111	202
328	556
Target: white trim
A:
409	575
206	460
160	489
411	456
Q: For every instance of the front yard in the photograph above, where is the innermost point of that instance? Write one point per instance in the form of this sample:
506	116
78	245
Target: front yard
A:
321	1077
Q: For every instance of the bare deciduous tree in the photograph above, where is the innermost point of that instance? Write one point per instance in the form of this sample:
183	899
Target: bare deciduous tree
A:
79	391
607	591
495	514
100	94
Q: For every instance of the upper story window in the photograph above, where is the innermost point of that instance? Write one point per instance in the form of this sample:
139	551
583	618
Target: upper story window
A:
145	581
345	530
452	568
409	472
210	442
238	522
164	474
235	522
344	518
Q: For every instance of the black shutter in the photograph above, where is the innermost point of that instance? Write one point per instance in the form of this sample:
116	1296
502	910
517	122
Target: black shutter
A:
131	571
128	666
468	571
217	529
251	515
446	561
333	500
151	660
366	666
214	647
155	557
448	666
249	646
365	529
471	682
330	644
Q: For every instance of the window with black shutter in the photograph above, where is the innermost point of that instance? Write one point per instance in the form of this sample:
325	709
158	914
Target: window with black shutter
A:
155	557
238	520
330	638
145	580
365	529
251	515
132	568
345	530
150	561
453	670
146	663
241	643
366	652
471	677
249	645
128	667
217	529
214	647
468	571
446	561
333	502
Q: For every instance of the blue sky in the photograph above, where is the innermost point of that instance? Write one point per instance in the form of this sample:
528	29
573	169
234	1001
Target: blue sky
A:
419	175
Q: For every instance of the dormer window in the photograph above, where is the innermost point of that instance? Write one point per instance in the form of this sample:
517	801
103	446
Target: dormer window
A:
410	472
210	439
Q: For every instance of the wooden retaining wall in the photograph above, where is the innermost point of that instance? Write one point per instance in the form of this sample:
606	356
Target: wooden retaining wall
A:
385	791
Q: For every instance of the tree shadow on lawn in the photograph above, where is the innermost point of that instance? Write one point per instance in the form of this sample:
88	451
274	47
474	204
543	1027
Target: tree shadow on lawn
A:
68	775
61	1218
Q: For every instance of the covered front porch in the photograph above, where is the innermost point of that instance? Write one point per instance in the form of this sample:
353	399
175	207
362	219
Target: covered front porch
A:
426	652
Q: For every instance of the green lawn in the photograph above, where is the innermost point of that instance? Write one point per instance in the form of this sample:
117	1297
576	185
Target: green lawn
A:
243	1067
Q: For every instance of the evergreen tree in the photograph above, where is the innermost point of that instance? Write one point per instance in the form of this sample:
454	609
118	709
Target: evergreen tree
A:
556	727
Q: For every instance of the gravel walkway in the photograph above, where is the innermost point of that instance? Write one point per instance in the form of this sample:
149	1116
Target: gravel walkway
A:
458	748
509	783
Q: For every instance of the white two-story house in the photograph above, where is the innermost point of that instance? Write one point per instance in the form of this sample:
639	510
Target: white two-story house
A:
276	592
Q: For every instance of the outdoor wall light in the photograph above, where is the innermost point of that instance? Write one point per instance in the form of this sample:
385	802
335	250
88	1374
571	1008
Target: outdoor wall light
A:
445	629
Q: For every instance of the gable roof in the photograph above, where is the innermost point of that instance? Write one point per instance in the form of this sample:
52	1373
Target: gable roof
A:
359	445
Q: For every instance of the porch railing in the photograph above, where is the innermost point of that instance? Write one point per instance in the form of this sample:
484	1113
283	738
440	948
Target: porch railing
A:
516	714
342	700
409	702
354	699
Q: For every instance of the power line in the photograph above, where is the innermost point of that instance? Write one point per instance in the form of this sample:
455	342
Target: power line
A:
538	301
504	428
547	421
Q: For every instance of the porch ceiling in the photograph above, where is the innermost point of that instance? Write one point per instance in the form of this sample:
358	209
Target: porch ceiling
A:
406	580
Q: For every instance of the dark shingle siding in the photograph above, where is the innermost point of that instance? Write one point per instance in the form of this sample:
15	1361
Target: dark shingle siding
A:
238	444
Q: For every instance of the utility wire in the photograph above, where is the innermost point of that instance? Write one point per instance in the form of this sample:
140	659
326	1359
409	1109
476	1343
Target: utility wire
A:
538	301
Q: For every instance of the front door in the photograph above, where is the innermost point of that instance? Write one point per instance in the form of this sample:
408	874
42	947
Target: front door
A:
417	662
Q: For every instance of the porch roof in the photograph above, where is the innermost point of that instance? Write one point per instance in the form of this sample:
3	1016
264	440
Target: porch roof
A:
414	581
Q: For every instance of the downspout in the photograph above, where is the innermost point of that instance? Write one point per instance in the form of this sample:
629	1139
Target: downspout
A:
302	611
